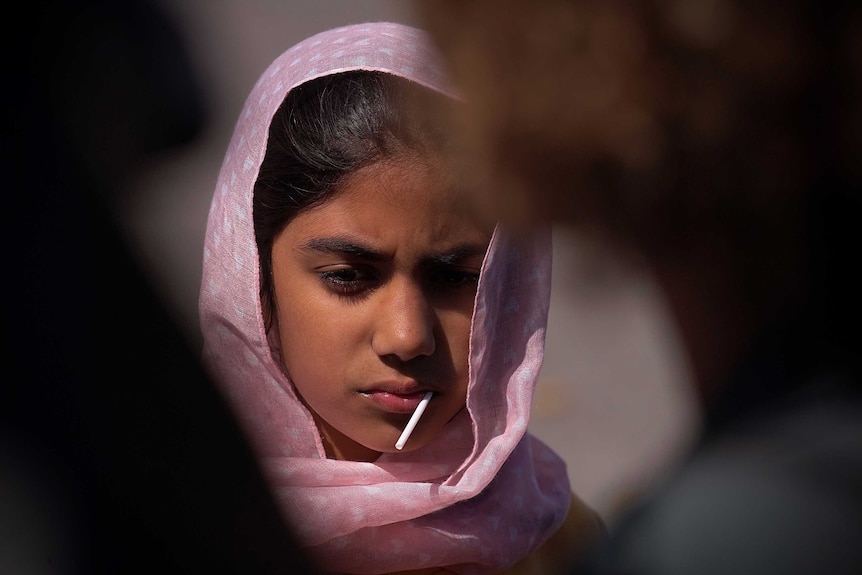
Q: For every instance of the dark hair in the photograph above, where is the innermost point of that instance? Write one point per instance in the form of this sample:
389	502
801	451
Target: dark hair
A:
325	130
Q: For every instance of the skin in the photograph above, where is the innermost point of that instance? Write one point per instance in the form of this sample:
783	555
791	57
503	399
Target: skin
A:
374	292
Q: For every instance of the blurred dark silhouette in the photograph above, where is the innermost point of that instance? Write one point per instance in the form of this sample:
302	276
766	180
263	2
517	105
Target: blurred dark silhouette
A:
116	453
719	142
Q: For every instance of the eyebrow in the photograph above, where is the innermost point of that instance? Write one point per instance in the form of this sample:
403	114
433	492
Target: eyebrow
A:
349	247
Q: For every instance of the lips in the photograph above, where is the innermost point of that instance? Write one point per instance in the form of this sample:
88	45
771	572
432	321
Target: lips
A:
396	398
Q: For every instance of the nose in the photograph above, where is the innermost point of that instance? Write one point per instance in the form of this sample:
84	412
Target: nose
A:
405	323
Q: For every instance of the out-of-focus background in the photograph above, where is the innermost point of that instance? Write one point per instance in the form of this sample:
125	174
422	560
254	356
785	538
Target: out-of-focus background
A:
613	397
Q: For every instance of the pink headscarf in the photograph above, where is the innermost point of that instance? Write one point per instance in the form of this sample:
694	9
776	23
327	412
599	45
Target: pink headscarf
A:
482	495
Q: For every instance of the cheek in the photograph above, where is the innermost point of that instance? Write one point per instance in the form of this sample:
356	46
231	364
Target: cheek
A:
456	324
462	331
456	330
321	341
305	340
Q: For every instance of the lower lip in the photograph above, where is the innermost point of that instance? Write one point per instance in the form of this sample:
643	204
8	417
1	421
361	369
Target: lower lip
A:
395	403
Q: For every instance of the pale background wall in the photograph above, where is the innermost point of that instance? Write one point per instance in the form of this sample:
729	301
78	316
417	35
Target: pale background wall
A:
612	400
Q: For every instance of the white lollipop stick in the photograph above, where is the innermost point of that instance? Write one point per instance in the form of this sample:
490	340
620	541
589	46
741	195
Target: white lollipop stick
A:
414	419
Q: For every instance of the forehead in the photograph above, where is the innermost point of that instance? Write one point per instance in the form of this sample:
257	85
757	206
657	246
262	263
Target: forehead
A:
409	201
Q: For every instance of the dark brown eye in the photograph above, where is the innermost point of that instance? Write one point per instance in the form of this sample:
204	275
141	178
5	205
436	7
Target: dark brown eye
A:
349	281
456	278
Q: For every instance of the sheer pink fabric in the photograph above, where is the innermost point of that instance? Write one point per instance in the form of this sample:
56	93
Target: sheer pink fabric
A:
482	495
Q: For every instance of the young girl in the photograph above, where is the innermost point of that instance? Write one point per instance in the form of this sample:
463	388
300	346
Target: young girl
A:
347	291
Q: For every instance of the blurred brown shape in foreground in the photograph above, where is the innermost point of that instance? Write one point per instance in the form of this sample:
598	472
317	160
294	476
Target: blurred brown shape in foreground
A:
719	143
671	129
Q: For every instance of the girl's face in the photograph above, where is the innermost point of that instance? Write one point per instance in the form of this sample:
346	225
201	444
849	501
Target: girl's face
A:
374	293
